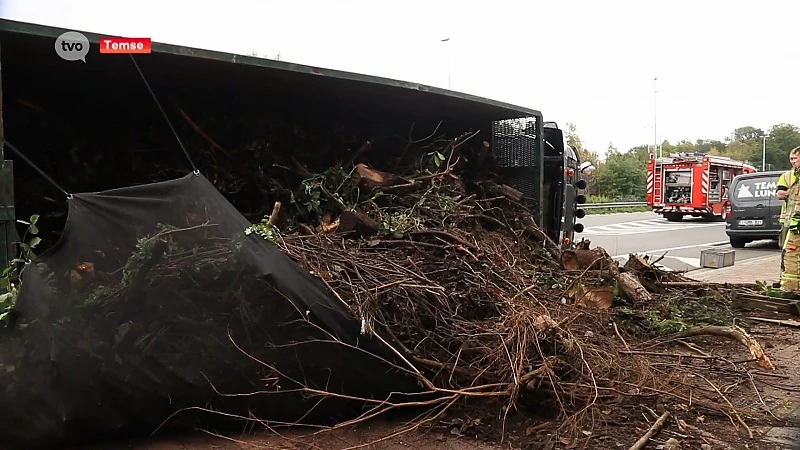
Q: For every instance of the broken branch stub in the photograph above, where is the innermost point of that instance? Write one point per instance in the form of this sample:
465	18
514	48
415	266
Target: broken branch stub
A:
737	333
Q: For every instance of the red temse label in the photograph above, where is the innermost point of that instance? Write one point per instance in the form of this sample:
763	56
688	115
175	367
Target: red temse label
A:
125	45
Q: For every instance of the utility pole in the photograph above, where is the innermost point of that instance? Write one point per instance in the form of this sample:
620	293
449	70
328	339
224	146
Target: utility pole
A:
764	155
656	147
446	40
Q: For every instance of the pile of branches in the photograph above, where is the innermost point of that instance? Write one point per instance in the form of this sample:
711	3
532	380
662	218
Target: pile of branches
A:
431	251
485	306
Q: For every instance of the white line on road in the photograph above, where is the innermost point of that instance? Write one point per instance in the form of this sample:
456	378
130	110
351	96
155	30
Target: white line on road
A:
642	227
662	250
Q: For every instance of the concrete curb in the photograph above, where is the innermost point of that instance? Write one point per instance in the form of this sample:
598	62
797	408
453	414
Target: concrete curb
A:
747	266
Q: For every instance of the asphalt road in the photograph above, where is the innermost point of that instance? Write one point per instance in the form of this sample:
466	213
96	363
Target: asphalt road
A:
649	233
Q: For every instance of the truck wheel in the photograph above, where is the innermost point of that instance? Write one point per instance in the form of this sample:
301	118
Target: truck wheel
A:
673	217
737	242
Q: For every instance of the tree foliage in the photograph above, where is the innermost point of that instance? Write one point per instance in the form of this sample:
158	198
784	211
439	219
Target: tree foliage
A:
622	176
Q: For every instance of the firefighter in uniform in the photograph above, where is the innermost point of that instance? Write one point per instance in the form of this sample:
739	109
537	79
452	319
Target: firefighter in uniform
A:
785	181
790	224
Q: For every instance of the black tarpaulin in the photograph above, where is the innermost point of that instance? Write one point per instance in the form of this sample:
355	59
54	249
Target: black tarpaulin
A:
154	300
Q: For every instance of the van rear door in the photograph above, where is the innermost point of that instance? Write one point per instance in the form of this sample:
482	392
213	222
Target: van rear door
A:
750	199
774	203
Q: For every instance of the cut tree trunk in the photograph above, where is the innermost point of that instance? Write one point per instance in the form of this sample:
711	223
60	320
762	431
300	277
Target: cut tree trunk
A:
594	259
370	179
597	297
629	284
511	193
637	264
353	221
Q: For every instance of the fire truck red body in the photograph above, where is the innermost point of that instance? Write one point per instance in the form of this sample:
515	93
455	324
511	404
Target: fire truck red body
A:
691	184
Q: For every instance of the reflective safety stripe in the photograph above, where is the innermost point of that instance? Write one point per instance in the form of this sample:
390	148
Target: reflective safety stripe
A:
790	276
790	179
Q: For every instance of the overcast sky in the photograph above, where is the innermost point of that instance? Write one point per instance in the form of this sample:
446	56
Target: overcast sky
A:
720	65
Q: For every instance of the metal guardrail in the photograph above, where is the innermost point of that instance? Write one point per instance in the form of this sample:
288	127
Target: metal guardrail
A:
611	205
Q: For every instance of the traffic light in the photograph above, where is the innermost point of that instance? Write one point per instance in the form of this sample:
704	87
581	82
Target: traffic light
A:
585	168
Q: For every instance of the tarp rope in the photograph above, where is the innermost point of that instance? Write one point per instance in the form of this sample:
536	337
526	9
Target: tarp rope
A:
166	117
35	167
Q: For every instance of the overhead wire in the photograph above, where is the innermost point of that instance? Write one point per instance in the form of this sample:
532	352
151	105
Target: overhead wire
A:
163	113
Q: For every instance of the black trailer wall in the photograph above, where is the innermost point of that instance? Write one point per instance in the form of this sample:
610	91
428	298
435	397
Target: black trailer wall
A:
94	126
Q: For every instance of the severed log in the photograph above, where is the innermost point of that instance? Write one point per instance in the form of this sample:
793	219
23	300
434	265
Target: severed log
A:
598	259
709	284
505	190
370	179
790	322
631	287
736	333
511	193
628	283
584	244
327	224
276	209
597	297
594	259
637	264
353	221
748	302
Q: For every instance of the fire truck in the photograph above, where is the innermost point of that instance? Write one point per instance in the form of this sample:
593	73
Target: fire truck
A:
691	184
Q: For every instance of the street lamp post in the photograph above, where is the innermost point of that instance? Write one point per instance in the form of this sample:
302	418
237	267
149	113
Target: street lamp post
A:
446	40
764	154
656	148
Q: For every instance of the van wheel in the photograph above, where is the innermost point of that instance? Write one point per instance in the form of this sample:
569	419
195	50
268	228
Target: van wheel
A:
738	242
673	217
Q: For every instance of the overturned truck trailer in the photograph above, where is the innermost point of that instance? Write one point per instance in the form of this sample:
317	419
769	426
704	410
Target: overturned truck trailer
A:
83	358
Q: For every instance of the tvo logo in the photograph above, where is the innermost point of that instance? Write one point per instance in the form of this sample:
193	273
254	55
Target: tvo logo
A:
72	46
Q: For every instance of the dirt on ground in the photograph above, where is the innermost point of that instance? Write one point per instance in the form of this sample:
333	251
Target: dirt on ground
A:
775	392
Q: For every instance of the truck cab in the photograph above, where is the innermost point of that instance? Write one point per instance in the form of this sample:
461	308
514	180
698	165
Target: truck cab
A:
564	183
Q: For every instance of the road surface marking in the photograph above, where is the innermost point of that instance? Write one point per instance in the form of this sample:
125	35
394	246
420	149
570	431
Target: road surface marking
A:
693	262
644	226
662	250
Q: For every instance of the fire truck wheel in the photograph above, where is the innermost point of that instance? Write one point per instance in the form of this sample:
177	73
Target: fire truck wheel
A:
673	217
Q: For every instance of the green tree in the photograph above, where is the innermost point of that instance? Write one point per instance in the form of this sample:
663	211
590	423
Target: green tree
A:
741	151
744	134
624	175
781	140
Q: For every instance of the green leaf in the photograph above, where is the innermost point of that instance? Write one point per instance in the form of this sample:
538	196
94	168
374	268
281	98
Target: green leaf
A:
34	242
25	247
34	219
32	229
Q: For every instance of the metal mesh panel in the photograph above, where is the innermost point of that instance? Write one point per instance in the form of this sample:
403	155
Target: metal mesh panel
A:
515	146
514	142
